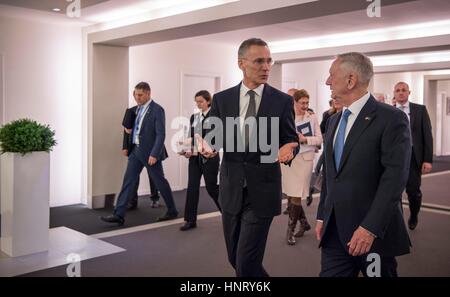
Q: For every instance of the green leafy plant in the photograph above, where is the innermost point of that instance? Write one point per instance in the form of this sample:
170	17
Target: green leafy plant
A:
25	136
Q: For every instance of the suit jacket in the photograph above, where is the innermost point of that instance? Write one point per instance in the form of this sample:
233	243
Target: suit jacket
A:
263	180
153	133
366	190
422	138
128	122
323	125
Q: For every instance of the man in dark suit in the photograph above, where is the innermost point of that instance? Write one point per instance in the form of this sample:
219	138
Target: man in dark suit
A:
422	148
367	154
250	177
148	151
128	122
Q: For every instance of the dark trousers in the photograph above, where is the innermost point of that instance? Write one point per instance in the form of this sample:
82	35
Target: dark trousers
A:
337	262
155	172
153	192
209	170
245	239
413	186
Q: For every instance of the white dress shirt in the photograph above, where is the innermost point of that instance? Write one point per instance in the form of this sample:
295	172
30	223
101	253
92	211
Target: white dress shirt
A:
355	108
405	108
144	109
198	117
244	100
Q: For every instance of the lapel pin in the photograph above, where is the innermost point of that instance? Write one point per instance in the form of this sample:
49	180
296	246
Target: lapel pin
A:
367	118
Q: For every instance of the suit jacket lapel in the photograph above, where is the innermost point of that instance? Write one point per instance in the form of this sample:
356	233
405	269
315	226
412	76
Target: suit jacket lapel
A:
234	98
332	127
264	105
363	120
412	114
147	114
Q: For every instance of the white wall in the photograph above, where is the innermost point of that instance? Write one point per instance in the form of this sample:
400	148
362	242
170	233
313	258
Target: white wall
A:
444	87
385	82
43	82
310	76
162	65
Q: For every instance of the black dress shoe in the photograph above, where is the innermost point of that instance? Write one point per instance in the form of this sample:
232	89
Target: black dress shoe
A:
113	219
168	216
188	225
412	222
154	204
132	206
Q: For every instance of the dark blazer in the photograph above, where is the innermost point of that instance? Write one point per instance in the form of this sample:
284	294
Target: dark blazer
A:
366	190
323	125
263	179
128	122
153	133
422	137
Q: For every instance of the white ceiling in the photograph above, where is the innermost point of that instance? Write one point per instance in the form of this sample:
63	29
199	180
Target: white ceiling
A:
393	15
48	5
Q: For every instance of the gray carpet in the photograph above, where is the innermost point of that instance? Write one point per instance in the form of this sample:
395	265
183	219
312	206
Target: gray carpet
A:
436	190
80	218
441	164
201	252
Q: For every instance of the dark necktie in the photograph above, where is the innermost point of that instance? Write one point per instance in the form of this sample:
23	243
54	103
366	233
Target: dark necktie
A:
251	112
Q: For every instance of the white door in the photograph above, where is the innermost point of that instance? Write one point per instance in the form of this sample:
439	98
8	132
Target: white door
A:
2	102
443	124
191	84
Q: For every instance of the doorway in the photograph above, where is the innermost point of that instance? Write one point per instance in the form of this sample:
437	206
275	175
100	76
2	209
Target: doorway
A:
437	99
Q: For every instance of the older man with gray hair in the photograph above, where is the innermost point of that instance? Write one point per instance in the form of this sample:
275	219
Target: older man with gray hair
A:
367	153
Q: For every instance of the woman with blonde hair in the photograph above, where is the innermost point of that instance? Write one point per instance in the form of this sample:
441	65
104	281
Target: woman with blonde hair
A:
296	178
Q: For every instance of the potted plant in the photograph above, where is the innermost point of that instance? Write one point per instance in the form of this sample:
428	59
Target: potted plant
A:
25	186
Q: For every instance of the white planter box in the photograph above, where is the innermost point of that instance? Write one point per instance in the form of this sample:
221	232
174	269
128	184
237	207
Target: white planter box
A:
25	210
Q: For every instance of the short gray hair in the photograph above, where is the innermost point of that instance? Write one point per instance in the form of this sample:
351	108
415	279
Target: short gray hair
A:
358	63
246	44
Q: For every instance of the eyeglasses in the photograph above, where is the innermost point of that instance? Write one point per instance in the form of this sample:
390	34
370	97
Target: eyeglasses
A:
261	61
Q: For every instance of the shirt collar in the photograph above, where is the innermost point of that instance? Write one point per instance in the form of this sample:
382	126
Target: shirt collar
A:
206	112
147	103
406	105
358	105
258	90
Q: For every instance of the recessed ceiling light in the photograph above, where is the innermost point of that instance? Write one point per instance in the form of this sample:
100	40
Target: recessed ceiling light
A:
56	9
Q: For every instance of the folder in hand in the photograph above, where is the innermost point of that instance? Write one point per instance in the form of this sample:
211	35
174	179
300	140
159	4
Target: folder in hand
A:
305	129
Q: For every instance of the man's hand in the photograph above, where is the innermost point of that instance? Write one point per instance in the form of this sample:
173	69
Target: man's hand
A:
319	226
208	154
286	152
361	242
125	153
152	160
128	131
426	167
